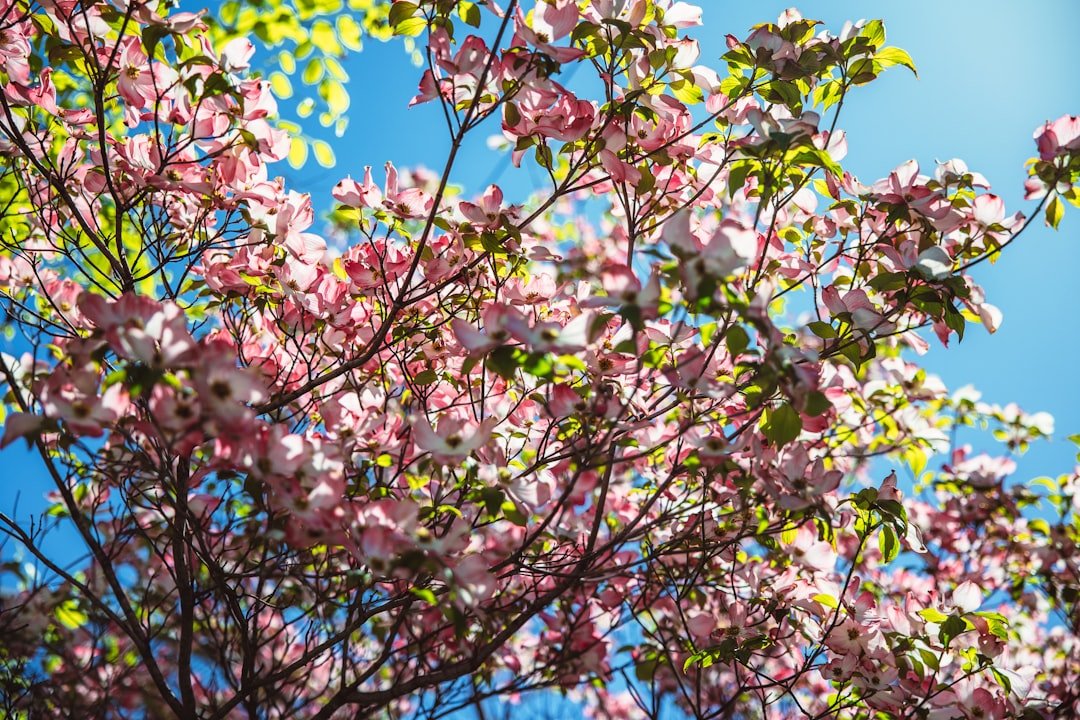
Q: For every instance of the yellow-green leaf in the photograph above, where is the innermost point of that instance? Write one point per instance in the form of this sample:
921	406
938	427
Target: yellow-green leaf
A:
895	56
411	27
287	62
350	33
826	600
69	615
888	543
400	12
1054	212
324	38
280	84
313	72
298	153
335	70
335	95
687	92
324	154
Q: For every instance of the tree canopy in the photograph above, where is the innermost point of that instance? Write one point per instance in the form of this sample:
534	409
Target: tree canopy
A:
629	444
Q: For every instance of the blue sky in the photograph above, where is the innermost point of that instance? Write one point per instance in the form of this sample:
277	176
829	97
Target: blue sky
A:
990	72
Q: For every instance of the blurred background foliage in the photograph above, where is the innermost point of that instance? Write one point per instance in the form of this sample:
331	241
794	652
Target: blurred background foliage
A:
302	49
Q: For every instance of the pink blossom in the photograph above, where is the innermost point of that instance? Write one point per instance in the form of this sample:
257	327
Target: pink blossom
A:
139	328
1058	137
356	195
454	440
488	211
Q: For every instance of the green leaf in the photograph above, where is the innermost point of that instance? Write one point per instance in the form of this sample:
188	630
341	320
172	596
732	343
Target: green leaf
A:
492	243
57	510
737	340
470	13
411	27
538	364
503	361
888	281
782	425
955	320
425	595
933	615
823	330
734	85
817	404
645	669
709	329
1054	212
893	508
510	512
151	36
888	543
687	92
818	158
654	356
996	623
828	94
852	352
1002	679
953	626
427	377
116	376
447	508
401	11
874	31
493	499
511	114
862	71
737	177
895	56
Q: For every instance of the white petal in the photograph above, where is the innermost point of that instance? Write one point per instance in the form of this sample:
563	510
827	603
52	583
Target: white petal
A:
967	596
